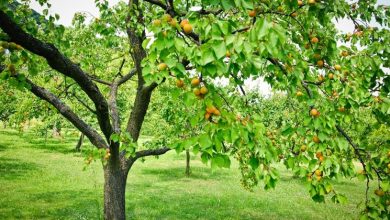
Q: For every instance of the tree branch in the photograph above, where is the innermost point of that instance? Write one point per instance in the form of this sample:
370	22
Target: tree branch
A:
151	152
67	112
158	3
126	77
83	103
62	64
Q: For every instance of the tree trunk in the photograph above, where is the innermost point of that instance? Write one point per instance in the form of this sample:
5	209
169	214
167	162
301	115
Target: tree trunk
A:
56	133
114	193
80	142
188	157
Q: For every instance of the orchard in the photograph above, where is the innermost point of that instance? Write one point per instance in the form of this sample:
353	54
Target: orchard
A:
102	73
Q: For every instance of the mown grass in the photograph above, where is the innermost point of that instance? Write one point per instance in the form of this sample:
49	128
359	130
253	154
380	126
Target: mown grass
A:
46	180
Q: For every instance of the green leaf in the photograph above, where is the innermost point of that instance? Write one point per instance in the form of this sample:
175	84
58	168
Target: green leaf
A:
220	49
205	141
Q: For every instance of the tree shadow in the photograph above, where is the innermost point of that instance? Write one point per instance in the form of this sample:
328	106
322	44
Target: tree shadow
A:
185	205
64	146
13	169
53	145
173	174
59	205
3	147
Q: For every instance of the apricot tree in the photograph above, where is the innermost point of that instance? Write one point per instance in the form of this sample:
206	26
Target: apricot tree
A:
293	45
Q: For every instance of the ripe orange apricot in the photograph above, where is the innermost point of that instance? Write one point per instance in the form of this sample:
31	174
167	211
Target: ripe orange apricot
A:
204	90
316	139
183	22
162	67
331	76
320	63
252	13
195	81
314	40
196	91
187	28
337	67
179	83
314	112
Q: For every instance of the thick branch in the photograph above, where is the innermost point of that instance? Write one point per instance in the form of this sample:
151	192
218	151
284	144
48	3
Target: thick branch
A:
151	152
158	3
62	64
65	110
126	77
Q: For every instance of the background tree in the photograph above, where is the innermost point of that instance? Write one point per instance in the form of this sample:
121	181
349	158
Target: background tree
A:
292	44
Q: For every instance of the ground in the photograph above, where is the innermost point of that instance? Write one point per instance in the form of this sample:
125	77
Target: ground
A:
45	180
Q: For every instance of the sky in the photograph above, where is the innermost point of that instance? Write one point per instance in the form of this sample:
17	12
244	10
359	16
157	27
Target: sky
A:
67	8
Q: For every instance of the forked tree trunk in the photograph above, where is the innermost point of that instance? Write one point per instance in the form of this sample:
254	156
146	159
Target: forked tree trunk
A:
188	158
114	193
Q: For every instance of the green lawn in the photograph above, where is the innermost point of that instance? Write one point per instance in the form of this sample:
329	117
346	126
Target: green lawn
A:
41	180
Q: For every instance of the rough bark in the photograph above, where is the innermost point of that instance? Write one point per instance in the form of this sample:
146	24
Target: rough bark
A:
114	192
137	116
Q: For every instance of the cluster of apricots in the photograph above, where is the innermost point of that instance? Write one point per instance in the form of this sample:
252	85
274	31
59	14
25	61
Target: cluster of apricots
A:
320	156
211	111
199	90
184	24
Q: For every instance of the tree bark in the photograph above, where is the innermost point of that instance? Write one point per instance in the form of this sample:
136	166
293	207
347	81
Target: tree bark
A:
80	142
114	192
188	158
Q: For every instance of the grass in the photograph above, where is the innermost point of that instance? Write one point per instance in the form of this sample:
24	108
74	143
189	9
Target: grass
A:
46	180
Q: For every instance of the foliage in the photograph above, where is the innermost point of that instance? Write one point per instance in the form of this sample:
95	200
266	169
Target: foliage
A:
330	80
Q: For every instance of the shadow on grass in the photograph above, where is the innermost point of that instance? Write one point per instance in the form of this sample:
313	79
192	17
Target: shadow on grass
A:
64	204
12	168
183	205
64	146
3	147
173	174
